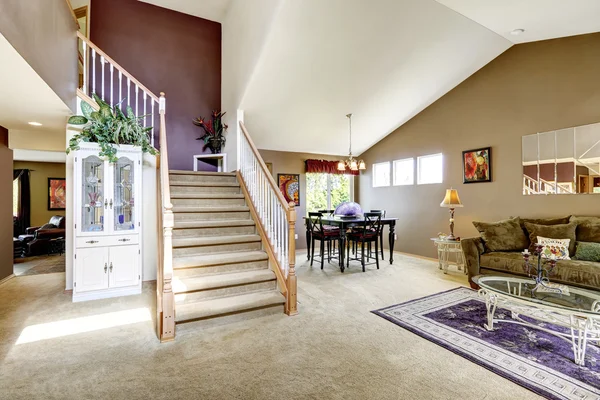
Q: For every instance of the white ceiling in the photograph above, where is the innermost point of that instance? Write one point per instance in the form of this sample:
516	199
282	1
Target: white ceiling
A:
541	19
26	97
213	10
385	64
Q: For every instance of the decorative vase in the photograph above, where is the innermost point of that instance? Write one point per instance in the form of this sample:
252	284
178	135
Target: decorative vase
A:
215	145
348	209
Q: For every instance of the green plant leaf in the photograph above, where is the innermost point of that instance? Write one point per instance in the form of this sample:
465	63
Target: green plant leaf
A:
77	120
86	109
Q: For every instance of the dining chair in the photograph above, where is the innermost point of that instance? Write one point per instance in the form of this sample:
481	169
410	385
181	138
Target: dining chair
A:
370	232
331	244
323	234
381	234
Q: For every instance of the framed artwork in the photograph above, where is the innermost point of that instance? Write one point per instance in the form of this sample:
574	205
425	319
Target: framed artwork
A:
57	193
289	184
477	165
270	167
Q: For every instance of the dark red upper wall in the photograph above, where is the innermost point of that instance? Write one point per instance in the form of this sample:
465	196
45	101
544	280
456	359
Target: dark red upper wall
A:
169	52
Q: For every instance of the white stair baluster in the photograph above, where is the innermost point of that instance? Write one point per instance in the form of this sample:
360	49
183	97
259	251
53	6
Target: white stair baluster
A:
137	89
152	122
128	86
112	101
144	108
93	70
85	67
102	66
120	88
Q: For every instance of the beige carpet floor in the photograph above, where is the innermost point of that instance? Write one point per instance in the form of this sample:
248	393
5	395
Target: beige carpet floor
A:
334	349
39	265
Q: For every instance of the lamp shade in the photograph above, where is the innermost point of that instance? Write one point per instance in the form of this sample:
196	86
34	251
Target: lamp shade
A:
451	200
341	166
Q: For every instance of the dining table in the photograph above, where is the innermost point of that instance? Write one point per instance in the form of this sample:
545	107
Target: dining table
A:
344	224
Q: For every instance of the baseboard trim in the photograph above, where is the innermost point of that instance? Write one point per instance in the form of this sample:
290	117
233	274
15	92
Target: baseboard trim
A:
417	256
7	279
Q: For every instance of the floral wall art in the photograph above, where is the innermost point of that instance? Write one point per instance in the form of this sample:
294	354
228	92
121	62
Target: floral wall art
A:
477	165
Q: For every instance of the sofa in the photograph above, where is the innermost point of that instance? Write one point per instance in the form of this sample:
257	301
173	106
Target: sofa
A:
37	238
497	251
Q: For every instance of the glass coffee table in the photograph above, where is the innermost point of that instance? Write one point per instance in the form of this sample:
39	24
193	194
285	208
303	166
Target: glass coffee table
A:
565	306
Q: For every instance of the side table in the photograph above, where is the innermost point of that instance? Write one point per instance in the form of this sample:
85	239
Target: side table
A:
445	249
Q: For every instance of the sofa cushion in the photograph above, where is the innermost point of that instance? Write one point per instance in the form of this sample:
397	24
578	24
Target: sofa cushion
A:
587	251
545	221
505	235
562	231
584	273
588	228
48	226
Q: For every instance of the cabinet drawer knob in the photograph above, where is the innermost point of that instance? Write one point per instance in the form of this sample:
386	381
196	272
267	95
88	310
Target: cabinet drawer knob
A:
111	267
92	241
105	267
124	240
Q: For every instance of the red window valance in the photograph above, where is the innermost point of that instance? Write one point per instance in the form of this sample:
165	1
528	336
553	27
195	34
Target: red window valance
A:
326	167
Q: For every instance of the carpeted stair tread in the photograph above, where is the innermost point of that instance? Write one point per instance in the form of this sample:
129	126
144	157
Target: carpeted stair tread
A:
216	223
222	195
192	284
213	240
196	209
208	260
202	173
204	183
227	305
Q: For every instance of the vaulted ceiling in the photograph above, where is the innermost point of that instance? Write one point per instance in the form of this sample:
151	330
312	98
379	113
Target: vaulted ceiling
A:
382	60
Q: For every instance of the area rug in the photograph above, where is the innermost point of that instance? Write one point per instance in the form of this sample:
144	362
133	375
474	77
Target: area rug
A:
44	264
541	362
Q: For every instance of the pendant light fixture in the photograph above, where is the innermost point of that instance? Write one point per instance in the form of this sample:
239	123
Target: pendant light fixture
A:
351	163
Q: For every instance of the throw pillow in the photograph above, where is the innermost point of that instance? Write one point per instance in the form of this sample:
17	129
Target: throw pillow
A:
588	228
562	231
588	251
505	235
559	248
545	221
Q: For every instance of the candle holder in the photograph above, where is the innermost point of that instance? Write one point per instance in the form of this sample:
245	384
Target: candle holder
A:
540	274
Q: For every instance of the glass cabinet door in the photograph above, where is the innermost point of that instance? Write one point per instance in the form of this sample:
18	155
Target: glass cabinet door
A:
124	192
92	207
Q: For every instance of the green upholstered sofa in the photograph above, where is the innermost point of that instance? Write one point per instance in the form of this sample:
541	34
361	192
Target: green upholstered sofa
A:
481	261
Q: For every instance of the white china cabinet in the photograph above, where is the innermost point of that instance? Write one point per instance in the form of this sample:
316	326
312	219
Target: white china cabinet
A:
107	257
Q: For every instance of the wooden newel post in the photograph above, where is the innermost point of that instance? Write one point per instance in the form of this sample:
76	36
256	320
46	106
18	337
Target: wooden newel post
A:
292	285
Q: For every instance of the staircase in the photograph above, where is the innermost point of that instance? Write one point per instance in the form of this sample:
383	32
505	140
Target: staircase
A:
219	266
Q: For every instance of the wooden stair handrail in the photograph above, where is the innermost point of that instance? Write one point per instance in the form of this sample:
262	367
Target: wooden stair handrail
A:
263	166
116	65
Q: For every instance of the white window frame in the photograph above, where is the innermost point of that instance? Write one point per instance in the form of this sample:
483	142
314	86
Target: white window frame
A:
419	182
350	188
412	175
375	165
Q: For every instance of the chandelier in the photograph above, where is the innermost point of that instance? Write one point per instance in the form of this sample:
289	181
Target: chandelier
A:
351	163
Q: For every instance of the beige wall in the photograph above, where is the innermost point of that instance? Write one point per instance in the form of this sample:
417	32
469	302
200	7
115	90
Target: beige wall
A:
31	140
534	87
6	219
293	163
44	34
38	182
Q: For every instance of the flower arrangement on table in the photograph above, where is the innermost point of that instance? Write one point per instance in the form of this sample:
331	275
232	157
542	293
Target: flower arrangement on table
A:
214	129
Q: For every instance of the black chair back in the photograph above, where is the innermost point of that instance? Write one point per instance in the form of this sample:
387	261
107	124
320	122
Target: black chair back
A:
372	222
316	222
327	212
379	211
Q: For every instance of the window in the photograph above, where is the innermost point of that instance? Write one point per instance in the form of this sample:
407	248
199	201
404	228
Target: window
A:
430	169
327	191
381	174
404	172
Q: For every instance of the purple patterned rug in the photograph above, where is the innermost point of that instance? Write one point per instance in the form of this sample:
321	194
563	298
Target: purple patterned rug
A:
539	361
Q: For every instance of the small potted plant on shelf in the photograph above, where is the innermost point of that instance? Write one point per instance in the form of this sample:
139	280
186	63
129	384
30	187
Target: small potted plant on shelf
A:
214	129
110	127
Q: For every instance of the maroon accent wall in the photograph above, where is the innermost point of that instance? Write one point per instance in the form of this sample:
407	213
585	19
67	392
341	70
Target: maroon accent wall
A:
169	52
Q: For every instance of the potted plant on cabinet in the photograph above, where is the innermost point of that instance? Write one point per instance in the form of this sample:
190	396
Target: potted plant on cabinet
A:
110	127
213	132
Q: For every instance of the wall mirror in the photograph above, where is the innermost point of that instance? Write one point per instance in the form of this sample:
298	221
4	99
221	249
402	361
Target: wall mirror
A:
565	161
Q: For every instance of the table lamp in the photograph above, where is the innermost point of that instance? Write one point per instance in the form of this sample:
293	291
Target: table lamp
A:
451	201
